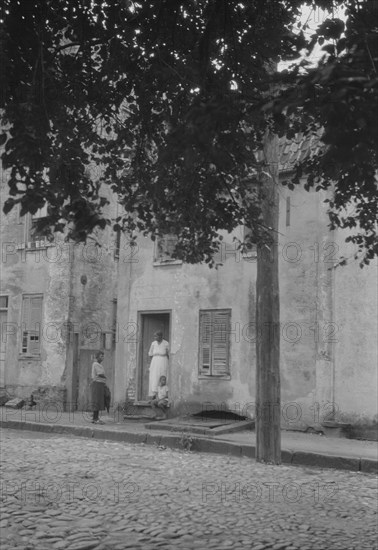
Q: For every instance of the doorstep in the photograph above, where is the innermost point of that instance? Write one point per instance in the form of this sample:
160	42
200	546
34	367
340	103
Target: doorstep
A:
207	427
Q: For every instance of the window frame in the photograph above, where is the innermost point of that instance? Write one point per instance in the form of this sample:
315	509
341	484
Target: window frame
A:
29	334
117	244
249	255
210	373
6	307
33	241
160	260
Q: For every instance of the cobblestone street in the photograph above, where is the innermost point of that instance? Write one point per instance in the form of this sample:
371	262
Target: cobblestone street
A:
79	494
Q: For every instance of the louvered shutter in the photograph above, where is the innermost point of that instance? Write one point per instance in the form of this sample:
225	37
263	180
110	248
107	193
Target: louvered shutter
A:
35	325
31	324
25	324
205	343
214	342
220	342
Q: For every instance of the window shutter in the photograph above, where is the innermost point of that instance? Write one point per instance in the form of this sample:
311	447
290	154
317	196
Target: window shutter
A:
220	343
25	324
26	312
35	325
35	313
31	324
117	244
214	342
205	342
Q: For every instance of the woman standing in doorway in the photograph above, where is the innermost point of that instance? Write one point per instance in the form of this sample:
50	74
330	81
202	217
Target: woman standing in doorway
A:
98	387
159	353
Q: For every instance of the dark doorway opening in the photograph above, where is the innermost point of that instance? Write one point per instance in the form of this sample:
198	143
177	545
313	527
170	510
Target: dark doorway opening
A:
150	322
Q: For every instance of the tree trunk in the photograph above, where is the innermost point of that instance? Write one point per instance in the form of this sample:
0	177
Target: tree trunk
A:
268	402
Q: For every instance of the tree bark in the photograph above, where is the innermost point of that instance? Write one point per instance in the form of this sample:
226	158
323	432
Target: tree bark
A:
268	400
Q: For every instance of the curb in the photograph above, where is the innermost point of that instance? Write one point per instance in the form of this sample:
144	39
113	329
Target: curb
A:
199	444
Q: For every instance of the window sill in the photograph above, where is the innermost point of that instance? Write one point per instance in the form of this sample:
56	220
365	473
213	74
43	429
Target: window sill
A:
214	377
167	262
29	357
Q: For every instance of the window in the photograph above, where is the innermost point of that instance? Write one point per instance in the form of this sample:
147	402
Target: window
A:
31	237
3	302
164	249
31	325
117	244
250	252
214	342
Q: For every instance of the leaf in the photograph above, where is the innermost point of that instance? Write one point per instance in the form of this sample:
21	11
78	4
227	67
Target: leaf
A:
8	205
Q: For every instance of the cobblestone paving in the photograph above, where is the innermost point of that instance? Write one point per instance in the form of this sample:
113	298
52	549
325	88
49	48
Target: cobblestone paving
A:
79	494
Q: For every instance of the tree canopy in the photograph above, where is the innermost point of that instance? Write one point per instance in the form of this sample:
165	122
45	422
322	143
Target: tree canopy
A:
173	99
339	97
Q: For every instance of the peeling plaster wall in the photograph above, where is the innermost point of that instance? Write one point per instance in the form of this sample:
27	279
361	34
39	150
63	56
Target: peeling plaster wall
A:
356	380
306	290
328	321
185	289
69	306
42	272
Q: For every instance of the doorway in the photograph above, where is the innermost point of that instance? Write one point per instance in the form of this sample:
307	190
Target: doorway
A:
149	322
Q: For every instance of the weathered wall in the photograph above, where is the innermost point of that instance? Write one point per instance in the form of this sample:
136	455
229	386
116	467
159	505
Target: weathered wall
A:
185	289
328	317
355	378
56	272
39	271
306	290
93	291
328	320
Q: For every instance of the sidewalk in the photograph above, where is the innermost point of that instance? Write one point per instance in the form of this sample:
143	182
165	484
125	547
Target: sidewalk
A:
298	448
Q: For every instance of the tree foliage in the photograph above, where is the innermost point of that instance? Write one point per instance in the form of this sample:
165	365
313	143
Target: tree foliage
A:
167	99
338	99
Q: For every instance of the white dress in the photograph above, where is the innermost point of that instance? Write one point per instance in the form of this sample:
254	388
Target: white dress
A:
159	364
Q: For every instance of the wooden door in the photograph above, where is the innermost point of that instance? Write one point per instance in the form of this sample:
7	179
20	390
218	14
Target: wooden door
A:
151	322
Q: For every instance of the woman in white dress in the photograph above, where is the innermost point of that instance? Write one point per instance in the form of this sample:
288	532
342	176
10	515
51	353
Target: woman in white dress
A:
159	353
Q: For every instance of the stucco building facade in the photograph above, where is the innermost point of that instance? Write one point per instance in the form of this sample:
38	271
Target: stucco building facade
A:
58	306
328	324
60	302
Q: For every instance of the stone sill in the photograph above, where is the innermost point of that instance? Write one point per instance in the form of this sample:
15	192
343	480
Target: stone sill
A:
29	357
168	263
